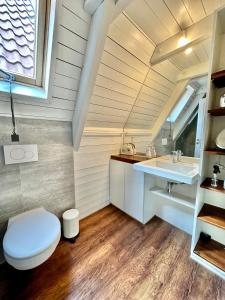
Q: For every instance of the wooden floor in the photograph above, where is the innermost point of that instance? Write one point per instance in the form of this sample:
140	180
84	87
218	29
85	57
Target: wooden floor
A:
117	258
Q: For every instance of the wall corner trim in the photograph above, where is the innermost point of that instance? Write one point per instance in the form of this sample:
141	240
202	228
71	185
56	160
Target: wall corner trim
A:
96	40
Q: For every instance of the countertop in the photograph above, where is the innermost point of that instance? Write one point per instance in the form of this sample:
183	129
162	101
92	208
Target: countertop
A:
131	159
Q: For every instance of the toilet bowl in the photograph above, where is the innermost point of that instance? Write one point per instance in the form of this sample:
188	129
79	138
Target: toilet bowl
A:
31	238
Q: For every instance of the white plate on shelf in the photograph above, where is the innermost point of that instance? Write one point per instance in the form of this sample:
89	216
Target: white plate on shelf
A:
220	139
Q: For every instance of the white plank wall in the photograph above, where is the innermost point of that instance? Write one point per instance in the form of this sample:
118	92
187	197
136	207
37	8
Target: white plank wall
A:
125	77
72	34
140	141
91	169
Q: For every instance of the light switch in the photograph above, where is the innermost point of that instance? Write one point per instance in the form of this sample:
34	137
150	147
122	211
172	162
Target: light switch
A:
17	154
164	141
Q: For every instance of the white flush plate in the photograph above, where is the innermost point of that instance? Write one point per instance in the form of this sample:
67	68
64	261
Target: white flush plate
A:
17	154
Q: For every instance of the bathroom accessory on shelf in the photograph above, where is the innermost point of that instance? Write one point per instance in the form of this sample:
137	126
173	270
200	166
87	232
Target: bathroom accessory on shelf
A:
214	180
179	154
128	149
150	151
176	155
222	101
205	237
221	166
220	139
153	151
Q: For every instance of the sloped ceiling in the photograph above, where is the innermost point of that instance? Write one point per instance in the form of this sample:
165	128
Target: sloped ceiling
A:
162	19
128	92
124	75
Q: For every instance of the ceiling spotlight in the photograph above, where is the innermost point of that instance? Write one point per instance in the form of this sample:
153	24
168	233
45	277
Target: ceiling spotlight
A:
182	41
188	51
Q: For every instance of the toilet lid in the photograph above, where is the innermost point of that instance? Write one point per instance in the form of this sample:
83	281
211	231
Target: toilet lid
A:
31	233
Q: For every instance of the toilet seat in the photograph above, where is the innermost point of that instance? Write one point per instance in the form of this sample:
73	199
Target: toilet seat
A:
31	238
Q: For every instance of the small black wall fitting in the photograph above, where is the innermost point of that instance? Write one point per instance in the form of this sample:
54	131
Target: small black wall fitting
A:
9	78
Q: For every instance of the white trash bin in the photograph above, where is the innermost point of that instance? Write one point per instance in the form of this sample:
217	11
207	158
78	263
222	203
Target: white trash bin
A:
71	224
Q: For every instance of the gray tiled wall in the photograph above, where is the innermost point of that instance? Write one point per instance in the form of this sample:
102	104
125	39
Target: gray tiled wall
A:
164	133
48	182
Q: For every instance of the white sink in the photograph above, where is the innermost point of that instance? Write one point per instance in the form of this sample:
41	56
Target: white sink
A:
186	170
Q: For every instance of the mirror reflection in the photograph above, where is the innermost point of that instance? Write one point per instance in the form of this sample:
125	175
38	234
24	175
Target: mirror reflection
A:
183	124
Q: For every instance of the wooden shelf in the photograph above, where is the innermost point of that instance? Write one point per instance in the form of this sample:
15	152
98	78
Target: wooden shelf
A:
175	197
217	112
213	252
206	184
213	215
215	151
218	79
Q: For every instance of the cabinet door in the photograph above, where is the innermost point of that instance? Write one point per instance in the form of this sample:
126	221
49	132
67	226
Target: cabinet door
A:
117	183
134	192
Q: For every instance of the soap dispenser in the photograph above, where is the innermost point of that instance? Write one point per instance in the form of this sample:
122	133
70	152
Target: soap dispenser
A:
214	180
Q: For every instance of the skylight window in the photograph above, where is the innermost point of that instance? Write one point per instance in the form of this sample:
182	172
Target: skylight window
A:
22	24
181	104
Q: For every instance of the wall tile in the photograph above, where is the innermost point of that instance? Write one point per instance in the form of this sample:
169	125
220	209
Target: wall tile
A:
48	182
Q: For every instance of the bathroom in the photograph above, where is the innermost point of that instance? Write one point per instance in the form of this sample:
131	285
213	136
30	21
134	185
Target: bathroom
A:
98	96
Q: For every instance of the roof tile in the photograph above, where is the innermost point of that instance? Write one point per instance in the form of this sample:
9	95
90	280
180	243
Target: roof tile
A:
17	36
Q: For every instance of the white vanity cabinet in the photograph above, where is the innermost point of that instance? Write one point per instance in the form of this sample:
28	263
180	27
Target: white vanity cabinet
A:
117	183
127	189
143	196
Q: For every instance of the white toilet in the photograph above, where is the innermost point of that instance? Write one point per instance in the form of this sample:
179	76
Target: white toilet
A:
31	238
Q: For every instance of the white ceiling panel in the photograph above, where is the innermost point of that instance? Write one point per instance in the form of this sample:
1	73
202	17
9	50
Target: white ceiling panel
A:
161	19
211	5
141	13
200	54
164	15
179	12
195	9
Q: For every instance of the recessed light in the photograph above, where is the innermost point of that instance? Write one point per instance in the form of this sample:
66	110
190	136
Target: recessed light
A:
188	51
182	41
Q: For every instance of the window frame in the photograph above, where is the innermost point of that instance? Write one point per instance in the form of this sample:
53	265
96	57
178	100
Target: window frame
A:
40	88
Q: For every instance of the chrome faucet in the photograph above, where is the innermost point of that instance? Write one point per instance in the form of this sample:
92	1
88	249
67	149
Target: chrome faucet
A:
179	154
175	156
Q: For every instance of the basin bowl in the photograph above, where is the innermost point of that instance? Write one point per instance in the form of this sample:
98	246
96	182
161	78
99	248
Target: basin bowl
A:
185	171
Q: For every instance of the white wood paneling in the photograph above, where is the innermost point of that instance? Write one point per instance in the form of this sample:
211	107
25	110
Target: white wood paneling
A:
91	171
126	34
72	34
195	9
179	11
140	142
210	6
199	54
162	19
77	7
128	92
160	9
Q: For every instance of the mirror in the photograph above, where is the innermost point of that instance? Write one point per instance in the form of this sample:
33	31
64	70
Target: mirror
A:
183	125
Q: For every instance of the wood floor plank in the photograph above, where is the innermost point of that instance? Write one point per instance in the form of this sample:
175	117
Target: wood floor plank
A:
180	282
115	257
119	285
161	268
